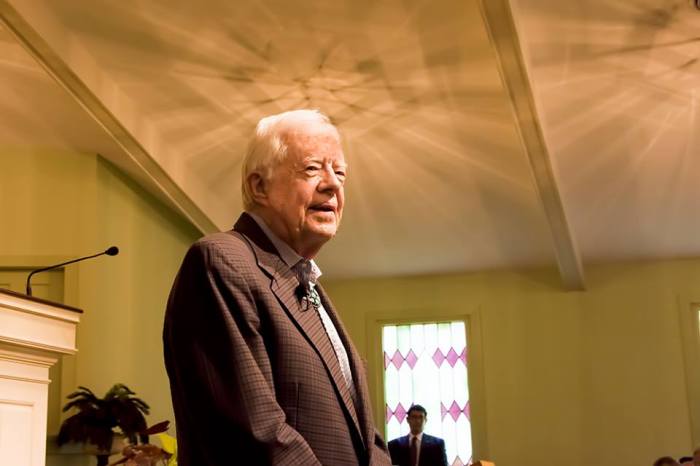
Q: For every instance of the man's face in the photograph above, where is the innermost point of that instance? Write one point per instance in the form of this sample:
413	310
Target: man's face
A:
417	420
305	192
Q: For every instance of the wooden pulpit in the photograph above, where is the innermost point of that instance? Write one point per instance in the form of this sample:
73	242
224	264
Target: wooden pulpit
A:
34	333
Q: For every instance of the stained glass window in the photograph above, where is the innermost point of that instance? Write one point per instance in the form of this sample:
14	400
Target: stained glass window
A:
426	364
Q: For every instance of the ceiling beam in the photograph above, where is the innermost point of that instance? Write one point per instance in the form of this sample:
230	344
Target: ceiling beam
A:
500	24
66	62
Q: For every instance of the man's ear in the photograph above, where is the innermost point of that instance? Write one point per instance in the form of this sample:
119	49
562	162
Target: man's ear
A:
258	188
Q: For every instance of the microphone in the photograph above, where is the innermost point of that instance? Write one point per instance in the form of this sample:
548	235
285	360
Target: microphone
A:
111	251
302	294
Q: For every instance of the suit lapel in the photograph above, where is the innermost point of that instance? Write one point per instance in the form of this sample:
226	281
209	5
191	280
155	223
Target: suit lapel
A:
357	368
425	440
283	283
405	447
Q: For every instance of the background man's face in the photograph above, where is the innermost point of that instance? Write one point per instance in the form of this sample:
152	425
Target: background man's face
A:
417	420
306	189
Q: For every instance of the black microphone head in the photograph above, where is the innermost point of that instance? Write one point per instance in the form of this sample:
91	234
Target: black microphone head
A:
112	251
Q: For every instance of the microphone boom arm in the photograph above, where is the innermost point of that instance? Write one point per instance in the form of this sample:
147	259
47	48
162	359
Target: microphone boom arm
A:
110	252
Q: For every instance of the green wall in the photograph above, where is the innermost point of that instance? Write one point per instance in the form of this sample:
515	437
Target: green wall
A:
576	378
62	205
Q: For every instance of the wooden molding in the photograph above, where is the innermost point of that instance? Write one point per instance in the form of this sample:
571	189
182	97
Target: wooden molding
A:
502	30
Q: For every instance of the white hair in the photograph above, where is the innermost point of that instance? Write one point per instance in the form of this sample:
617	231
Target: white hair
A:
267	148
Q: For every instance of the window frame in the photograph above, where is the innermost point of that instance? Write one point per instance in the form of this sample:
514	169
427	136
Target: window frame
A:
472	320
689	322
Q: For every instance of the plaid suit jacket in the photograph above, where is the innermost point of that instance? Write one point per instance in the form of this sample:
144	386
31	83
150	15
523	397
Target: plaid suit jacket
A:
253	376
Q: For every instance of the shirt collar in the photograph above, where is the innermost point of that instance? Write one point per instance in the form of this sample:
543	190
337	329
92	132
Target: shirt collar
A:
419	437
289	256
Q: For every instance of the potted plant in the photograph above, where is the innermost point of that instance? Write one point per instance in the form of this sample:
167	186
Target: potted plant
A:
97	418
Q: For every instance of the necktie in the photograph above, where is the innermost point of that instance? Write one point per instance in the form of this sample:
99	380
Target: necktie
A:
414	451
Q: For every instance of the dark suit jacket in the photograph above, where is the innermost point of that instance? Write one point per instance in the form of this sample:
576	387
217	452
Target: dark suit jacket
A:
254	378
432	451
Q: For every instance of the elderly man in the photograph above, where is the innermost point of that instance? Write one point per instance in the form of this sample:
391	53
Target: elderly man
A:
261	370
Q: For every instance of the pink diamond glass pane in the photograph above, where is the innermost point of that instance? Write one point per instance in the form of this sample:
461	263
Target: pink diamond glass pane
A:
397	359
400	413
411	359
452	357
455	411
438	357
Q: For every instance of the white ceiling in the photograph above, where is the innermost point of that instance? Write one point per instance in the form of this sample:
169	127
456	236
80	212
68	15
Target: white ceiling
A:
440	179
618	85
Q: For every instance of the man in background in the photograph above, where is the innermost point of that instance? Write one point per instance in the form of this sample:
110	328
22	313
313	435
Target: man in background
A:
262	371
418	448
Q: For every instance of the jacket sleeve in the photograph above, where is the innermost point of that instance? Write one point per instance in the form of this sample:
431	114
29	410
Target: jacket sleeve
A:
443	453
220	374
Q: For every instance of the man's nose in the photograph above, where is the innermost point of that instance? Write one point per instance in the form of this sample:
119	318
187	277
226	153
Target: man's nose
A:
330	180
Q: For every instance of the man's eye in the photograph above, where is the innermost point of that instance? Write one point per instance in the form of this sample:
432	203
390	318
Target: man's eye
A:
311	168
340	174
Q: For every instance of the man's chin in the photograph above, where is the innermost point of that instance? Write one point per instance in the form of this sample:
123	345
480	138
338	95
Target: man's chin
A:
323	231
